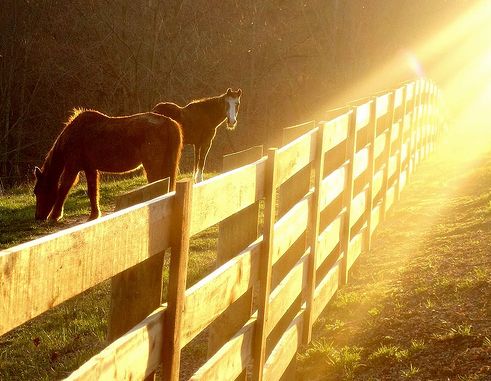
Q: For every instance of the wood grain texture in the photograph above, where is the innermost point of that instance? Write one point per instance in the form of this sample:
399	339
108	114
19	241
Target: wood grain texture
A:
326	289
221	196
286	292
142	194
208	298
363	115
356	247
332	186
284	351
295	155
328	239
134	356
336	132
231	360
73	259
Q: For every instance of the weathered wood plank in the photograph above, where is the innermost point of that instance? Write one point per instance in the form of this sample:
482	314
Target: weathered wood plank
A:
399	97
363	114
382	105
133	356
392	165
332	186
238	159
290	227
375	217
221	196
396	131
380	144
293	132
378	180
286	292
142	194
358	206
232	359
326	289
356	247
328	239
73	259
295	156
361	162
390	197
336	132
213	294
284	351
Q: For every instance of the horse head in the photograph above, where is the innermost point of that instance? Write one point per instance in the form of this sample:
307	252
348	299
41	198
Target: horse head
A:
45	193
232	103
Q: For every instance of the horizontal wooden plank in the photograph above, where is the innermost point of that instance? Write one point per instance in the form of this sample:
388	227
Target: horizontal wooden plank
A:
221	196
283	296
396	128
361	162
326	290
133	356
355	247
378	179
285	349
336	131
402	180
229	362
332	186
43	273
392	164
216	292
407	122
328	239
142	194
380	144
382	105
358	206
290	227
390	197
295	156
375	217
398	97
241	158
405	148
362	115
293	132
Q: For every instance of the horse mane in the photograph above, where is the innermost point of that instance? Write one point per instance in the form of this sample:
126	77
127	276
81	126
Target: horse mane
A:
215	98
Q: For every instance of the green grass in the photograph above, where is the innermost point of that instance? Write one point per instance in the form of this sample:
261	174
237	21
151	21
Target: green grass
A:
56	343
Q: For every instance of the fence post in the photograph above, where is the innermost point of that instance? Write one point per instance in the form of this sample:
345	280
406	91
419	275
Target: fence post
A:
412	122
180	235
348	196
314	235
265	267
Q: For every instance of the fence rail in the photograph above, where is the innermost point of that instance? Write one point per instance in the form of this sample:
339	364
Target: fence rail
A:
324	191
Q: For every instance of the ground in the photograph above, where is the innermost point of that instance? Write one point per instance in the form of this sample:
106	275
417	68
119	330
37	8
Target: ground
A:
418	305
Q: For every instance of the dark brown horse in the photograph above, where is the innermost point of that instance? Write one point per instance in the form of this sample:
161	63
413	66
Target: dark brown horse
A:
200	119
93	142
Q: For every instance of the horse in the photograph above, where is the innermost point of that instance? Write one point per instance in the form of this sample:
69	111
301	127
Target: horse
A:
93	142
200	119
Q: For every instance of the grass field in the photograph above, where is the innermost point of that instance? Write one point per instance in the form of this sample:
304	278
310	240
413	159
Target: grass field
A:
418	306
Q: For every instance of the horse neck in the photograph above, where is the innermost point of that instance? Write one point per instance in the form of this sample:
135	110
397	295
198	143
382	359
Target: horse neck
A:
213	108
53	165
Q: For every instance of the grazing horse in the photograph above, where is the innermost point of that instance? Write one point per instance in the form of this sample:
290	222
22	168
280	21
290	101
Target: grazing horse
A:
93	142
199	120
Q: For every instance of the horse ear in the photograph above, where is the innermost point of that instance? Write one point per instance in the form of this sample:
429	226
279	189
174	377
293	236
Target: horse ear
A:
229	91
38	173
239	92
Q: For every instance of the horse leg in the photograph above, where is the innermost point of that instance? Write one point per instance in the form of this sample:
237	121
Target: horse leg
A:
68	178
92	177
203	153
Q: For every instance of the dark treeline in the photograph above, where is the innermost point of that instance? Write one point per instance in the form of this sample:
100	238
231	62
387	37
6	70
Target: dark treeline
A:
291	59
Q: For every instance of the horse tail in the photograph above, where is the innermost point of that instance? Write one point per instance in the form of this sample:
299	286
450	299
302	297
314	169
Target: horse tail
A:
175	144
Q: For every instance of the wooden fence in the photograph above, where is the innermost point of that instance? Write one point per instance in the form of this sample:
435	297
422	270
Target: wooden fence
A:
291	225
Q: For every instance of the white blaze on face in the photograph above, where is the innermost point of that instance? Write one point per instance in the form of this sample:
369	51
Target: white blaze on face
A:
232	111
